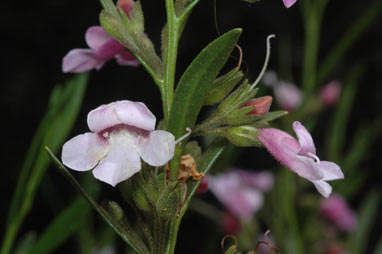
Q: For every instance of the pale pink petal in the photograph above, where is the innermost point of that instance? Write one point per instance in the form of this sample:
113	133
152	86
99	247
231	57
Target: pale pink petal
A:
287	95
330	170
243	203
336	210
330	93
81	60
109	49
307	168
262	181
284	148
304	138
126	58
323	188
121	112
83	152
289	3
120	164
135	114
96	37
158	149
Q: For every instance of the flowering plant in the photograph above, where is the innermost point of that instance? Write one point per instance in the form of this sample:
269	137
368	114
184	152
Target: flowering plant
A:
144	167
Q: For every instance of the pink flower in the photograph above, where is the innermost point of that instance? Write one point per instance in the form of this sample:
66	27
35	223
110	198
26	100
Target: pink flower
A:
288	95
231	224
289	3
336	210
330	93
261	104
203	186
240	191
102	48
122	133
300	156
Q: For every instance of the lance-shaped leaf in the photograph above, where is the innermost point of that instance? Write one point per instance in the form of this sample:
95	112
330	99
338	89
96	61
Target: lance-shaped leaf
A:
126	233
196	81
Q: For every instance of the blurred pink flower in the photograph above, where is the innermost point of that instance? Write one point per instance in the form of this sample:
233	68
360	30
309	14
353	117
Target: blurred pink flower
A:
336	210
300	156
231	224
203	186
240	191
122	133
289	3
288	95
330	93
102	48
261	104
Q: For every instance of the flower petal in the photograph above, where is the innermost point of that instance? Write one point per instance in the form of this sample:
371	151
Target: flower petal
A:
331	170
120	164
121	112
83	152
261	181
323	188
289	3
111	48
288	95
81	60
307	168
243	203
158	149
96	37
304	138
126	58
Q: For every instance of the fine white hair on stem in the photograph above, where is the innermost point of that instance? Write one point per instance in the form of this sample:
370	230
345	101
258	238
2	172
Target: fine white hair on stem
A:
265	62
184	136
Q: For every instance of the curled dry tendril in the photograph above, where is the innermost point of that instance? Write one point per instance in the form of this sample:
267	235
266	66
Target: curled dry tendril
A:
223	240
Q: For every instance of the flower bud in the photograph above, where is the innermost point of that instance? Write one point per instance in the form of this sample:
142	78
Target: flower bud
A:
126	6
243	136
330	93
261	104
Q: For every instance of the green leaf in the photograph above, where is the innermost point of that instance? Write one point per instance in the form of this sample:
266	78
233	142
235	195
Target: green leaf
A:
125	233
64	225
358	240
221	87
337	135
64	106
196	80
348	39
137	18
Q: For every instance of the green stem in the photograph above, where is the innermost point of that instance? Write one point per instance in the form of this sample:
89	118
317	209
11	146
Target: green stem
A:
167	91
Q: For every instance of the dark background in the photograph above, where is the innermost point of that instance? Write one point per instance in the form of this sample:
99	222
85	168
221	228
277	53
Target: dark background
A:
35	35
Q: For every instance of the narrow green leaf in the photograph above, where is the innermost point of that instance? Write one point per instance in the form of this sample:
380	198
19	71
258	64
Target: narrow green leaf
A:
336	136
348	39
137	18
64	225
221	87
358	240
196	80
101	211
54	128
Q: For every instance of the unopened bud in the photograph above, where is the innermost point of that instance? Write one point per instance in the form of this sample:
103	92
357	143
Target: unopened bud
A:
203	186
126	6
330	93
261	104
243	136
